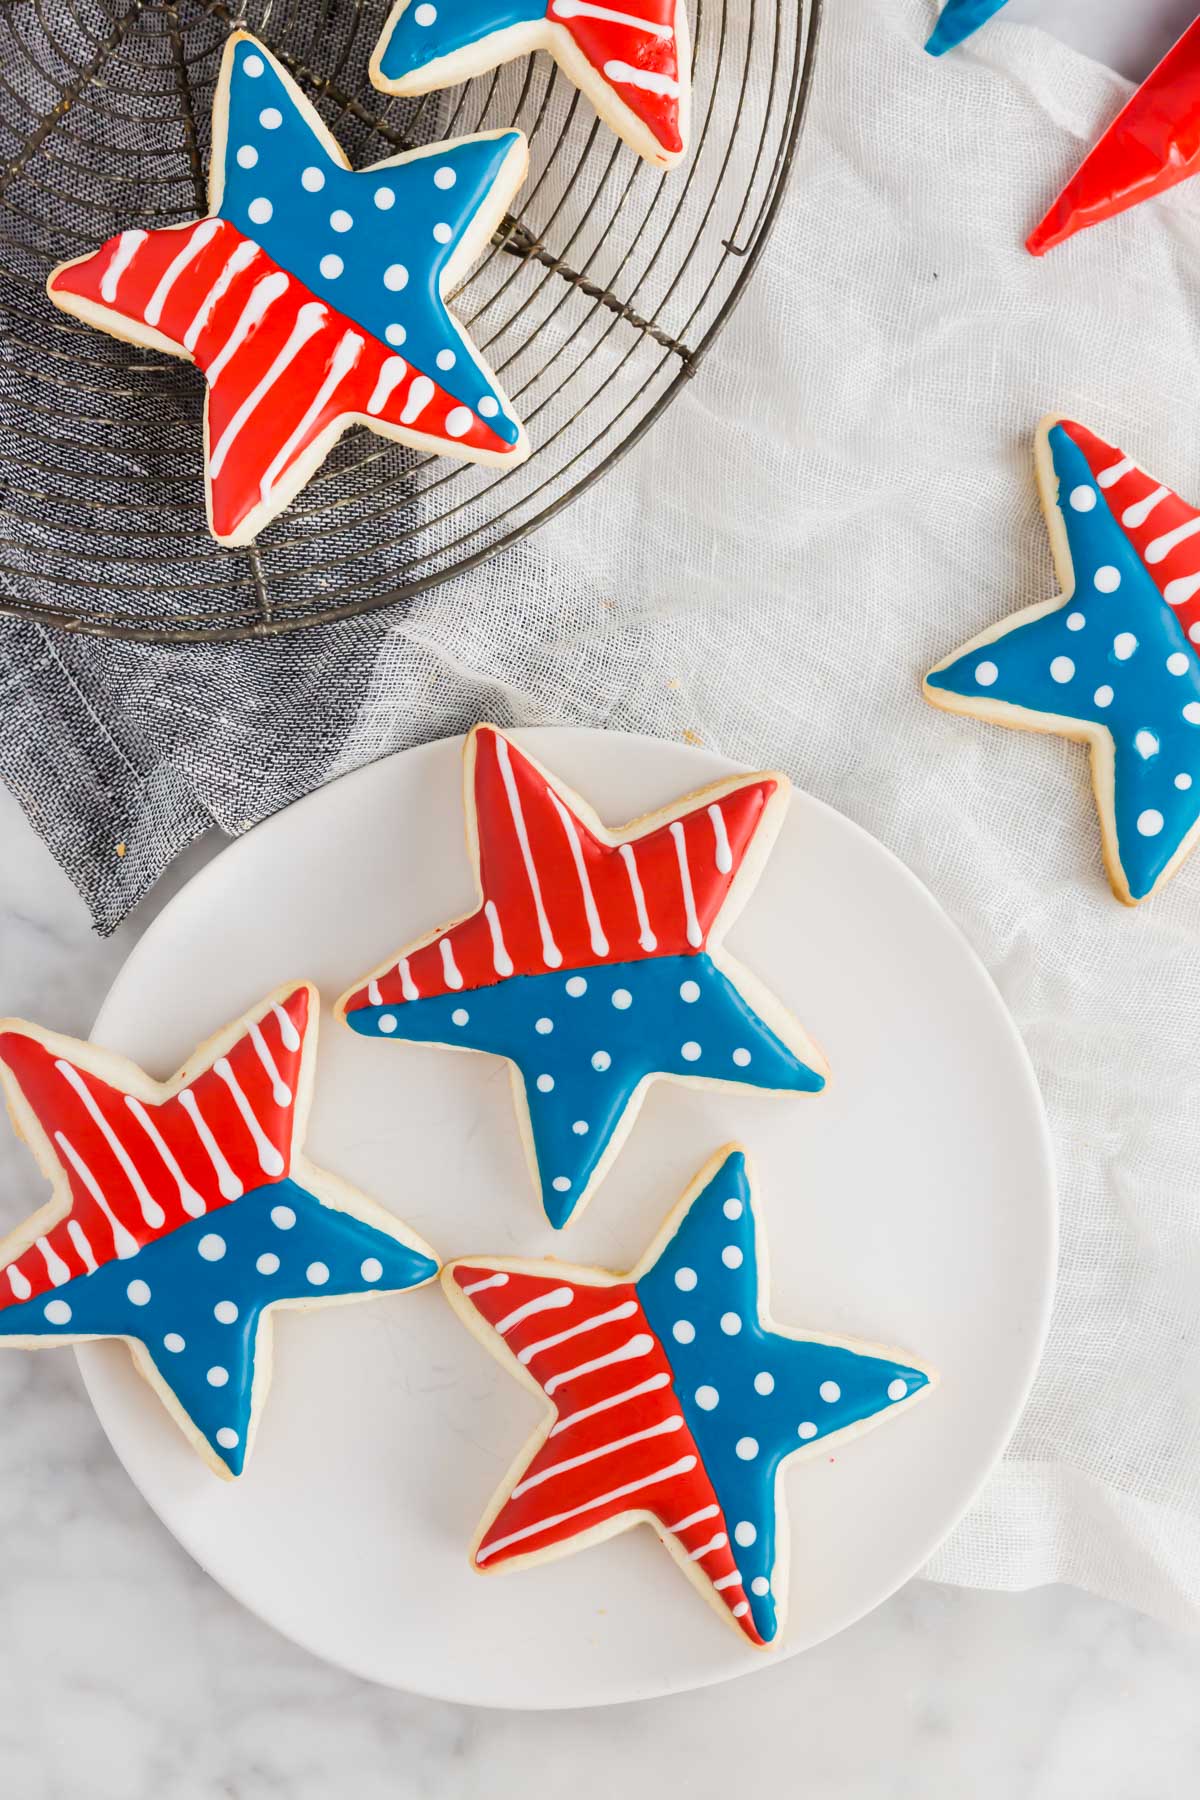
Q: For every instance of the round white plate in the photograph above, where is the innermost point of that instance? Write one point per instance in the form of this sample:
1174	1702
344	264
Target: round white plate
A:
911	1204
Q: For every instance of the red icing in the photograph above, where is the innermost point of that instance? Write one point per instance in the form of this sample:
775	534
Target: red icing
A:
606	41
280	425
662	1474
1152	144
1178	569
85	1150
616	934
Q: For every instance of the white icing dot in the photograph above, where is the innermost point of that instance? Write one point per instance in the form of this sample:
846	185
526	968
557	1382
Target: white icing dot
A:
580	1127
731	1324
706	1398
1150	822
488	407
139	1293
1083	498
732	1209
686	1279
446	359
561	1184
59	1313
331	266
225	1312
1146	744
806	1429
317	1274
829	1392
1124	645
545	1084
764	1382
442	232
1183	782
211	1247
683	1331
622	999
260	210
460	1016
253	65
576	985
986	673
394	333
1191	712
444	177
387	1023
1062	669
270	118
267	1263
544	1025
312	180
425	14
1177	663
690	1051
247	156
689	991
227	1437
897	1389
760	1585
1076	621
741	1609
283	1217
174	1343
340	219
1107	579
744	1533
1194	632
371	1269
385	198
747	1448
459	421
217	1376
741	1058
1103	696
395	277
731	1256
602	1060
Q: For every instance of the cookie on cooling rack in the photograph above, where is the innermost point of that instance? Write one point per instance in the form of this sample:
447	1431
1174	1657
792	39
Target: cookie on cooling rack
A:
632	61
184	1212
311	296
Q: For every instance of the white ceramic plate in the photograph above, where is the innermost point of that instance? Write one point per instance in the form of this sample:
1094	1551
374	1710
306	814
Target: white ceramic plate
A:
910	1204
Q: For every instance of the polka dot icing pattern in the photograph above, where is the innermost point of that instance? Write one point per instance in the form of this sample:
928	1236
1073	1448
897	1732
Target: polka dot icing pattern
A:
593	963
1114	661
661	1410
295	295
188	1211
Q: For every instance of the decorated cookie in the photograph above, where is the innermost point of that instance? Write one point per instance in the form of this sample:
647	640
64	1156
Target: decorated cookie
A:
632	61
311	297
1112	661
674	1399
957	21
184	1212
593	961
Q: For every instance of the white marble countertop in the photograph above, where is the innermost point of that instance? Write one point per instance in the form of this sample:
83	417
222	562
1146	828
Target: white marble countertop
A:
125	1674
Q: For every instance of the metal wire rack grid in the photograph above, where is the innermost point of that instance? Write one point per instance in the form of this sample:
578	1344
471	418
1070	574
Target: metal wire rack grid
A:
595	303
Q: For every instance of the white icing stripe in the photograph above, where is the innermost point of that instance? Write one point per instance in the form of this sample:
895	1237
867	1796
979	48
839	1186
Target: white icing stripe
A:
642	78
124	1242
586	1412
1116	471
684	1466
242	257
583	9
204	234
662	1429
152	1212
391	374
373	993
19	1283
733	1579
419	396
1160	547
348	351
551	954
559	1296
501	960
646	937
289	1036
309	320
408	986
263	295
56	1268
281	1093
450	968
1140	511
1176	593
499	1279
634	1346
696	1518
595	930
695	936
714	1543
231	1188
560	1337
270	1161
128	245
83	1248
189	1199
724	855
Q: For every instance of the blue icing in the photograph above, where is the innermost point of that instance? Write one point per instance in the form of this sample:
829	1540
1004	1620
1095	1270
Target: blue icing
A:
423	32
387	261
594	1036
1113	655
751	1397
168	1296
959	19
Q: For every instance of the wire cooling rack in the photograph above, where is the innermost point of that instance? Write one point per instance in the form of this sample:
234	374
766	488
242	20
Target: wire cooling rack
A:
595	303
